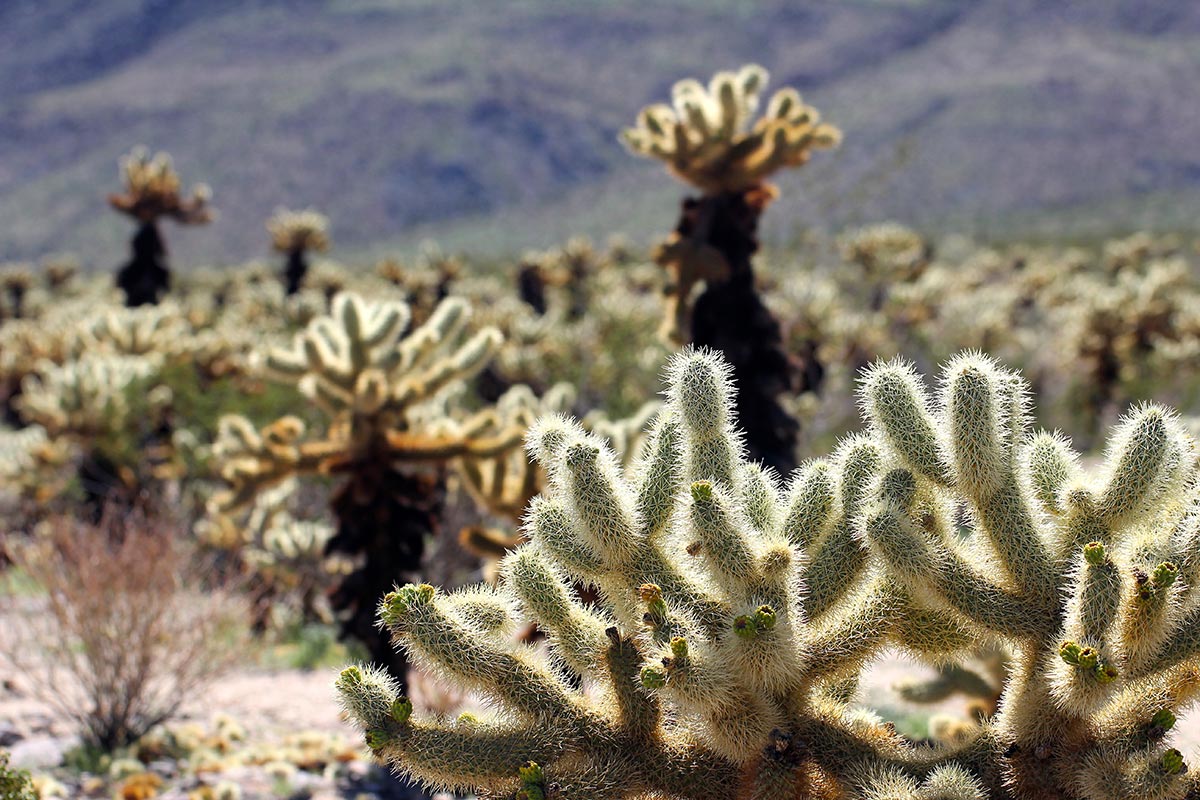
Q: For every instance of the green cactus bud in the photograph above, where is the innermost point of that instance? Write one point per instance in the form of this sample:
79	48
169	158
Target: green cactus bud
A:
533	782
1095	553
402	709
396	605
745	627
702	492
654	677
1163	719
1105	673
679	647
1088	658
376	740
1164	574
1172	762
1069	651
764	618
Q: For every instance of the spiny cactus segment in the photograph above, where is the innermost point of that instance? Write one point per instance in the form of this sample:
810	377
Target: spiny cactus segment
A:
732	612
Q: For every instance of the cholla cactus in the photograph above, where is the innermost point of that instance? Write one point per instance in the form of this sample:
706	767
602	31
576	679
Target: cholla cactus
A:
392	432
735	616
152	191
15	282
708	140
294	233
84	402
887	253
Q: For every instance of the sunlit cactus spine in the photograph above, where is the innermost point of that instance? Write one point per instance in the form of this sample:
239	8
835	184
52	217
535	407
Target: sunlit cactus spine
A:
735	617
1096	680
153	191
392	434
295	234
710	138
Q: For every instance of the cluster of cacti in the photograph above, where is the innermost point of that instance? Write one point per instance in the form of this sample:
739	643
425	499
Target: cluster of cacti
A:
735	617
710	139
295	233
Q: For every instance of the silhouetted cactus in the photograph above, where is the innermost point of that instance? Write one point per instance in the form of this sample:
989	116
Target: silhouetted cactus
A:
152	191
710	139
295	233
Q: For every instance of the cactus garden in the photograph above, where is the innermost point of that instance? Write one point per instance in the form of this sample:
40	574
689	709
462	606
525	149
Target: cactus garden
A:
733	466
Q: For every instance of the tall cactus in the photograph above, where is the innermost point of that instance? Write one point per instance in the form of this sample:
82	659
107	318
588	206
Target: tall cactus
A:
735	617
152	191
391	433
710	139
295	233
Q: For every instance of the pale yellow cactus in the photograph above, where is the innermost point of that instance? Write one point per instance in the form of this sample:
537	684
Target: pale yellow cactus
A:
298	230
153	189
709	137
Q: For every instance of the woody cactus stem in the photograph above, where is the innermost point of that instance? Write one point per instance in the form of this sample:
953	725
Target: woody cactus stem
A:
145	278
729	316
294	271
389	515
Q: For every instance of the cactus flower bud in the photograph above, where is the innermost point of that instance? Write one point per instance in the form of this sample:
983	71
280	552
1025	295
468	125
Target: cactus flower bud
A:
745	627
1163	719
654	677
1172	762
764	618
402	709
1089	658
679	647
1164	574
1095	553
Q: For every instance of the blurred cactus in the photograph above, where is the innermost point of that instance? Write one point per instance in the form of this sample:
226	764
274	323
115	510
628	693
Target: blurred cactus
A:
153	191
392	432
710	139
295	233
733	614
15	282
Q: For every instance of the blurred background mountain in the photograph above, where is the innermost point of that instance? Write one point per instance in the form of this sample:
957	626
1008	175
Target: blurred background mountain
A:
492	126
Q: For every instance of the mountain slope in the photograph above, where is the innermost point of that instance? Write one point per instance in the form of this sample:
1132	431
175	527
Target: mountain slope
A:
493	126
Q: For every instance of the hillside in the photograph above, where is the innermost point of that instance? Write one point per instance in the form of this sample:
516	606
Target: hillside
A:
493	126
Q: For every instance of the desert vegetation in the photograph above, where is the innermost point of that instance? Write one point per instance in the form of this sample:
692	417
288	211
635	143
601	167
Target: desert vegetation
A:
605	520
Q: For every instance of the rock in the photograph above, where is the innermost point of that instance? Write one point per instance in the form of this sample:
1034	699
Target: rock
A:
40	752
9	735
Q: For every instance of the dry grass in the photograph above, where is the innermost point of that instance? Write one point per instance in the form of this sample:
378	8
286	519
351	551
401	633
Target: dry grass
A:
130	625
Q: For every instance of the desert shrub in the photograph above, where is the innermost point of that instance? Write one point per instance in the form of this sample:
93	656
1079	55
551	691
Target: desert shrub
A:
15	784
127	629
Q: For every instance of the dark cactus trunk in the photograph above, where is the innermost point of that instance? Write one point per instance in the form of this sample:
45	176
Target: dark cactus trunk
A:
531	287
384	518
294	271
729	316
146	278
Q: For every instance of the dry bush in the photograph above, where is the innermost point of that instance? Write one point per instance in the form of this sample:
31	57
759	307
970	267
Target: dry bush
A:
129	628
